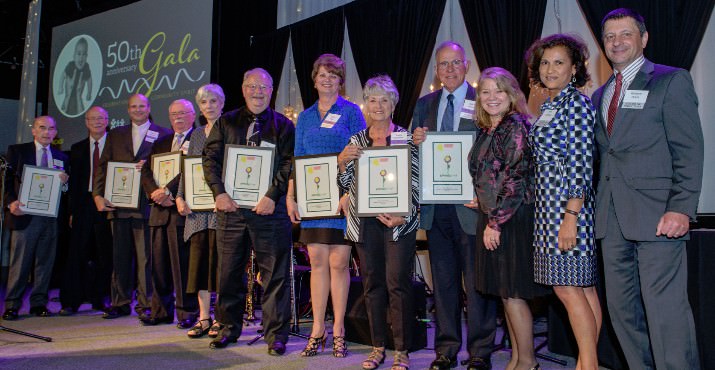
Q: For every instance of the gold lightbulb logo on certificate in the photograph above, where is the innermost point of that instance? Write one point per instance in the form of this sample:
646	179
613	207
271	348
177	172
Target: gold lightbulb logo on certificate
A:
448	160
124	182
248	173
316	180
166	175
383	173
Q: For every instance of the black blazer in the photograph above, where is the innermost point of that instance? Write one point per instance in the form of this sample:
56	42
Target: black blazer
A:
18	156
159	215
119	148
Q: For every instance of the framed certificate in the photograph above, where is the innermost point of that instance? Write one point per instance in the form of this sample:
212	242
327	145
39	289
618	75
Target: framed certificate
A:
247	173
122	187
316	186
40	191
383	181
197	193
444	169
165	167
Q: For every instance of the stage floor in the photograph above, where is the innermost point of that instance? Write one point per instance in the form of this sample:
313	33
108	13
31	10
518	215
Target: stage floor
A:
86	341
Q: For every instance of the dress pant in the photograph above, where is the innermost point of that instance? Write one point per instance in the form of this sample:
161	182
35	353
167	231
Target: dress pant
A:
35	245
453	261
271	239
647	294
170	271
88	268
131	238
386	268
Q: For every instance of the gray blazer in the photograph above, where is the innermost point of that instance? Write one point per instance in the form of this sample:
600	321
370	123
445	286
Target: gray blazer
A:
425	115
653	161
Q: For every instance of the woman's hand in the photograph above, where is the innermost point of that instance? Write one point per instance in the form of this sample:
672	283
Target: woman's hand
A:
567	233
349	153
491	238
182	206
391	221
474	204
344	205
292	207
418	136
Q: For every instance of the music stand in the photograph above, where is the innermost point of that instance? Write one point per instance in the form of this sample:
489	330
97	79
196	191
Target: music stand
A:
3	170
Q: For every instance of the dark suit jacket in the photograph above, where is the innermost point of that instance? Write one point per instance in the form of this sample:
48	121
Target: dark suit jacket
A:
425	115
18	156
231	128
119	148
653	161
158	215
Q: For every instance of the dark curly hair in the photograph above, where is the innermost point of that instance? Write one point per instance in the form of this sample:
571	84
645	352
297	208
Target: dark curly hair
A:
575	48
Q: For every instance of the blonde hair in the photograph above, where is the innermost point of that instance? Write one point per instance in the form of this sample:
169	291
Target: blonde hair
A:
506	82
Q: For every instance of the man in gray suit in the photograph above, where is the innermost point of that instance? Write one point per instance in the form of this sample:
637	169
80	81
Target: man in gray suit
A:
130	143
451	229
651	148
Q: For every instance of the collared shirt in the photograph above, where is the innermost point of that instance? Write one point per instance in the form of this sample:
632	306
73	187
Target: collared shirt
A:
183	137
138	134
38	155
629	74
101	142
460	94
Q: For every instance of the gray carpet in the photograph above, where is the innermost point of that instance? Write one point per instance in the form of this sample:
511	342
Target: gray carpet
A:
86	341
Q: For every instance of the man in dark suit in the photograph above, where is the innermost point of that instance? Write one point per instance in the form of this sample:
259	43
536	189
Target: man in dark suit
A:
131	143
34	238
651	146
88	268
266	226
451	229
169	253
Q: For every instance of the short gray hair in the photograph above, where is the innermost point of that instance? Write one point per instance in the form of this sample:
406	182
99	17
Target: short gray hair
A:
450	43
210	89
257	71
381	85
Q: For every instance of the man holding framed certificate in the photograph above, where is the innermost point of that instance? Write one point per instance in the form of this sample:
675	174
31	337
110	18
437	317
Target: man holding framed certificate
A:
266	225
33	238
169	253
131	144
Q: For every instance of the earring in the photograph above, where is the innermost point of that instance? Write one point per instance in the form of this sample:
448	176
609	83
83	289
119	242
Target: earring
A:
573	79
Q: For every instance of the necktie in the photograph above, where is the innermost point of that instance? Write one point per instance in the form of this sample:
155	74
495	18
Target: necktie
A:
177	143
254	131
613	107
448	116
44	159
95	159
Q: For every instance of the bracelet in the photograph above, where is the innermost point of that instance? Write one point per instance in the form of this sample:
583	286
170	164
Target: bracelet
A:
571	212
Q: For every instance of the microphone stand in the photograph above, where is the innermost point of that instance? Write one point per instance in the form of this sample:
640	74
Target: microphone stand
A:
4	166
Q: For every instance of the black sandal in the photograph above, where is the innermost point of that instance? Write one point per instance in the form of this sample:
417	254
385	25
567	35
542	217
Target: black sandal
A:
215	329
376	357
340	348
198	330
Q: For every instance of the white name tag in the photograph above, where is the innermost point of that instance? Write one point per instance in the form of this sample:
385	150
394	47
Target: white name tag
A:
149	139
398	138
185	147
58	164
152	134
330	120
266	144
467	109
546	117
634	99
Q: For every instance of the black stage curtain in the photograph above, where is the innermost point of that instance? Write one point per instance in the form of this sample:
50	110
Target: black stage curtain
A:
268	51
396	40
502	30
675	27
323	33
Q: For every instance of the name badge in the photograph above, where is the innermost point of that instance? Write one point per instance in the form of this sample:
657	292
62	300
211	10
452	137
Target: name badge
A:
330	120
467	109
58	164
266	144
634	99
185	147
398	138
545	118
151	136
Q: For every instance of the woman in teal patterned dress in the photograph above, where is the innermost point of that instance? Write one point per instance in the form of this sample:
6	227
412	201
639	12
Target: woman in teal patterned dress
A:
562	141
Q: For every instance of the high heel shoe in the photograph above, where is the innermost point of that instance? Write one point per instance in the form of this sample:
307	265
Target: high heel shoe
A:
311	349
536	367
340	348
375	359
401	362
199	329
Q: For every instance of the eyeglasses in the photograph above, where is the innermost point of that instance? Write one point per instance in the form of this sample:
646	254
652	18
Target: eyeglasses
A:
254	87
455	64
179	114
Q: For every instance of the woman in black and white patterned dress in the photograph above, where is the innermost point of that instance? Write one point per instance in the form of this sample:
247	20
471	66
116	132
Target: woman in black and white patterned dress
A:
562	143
